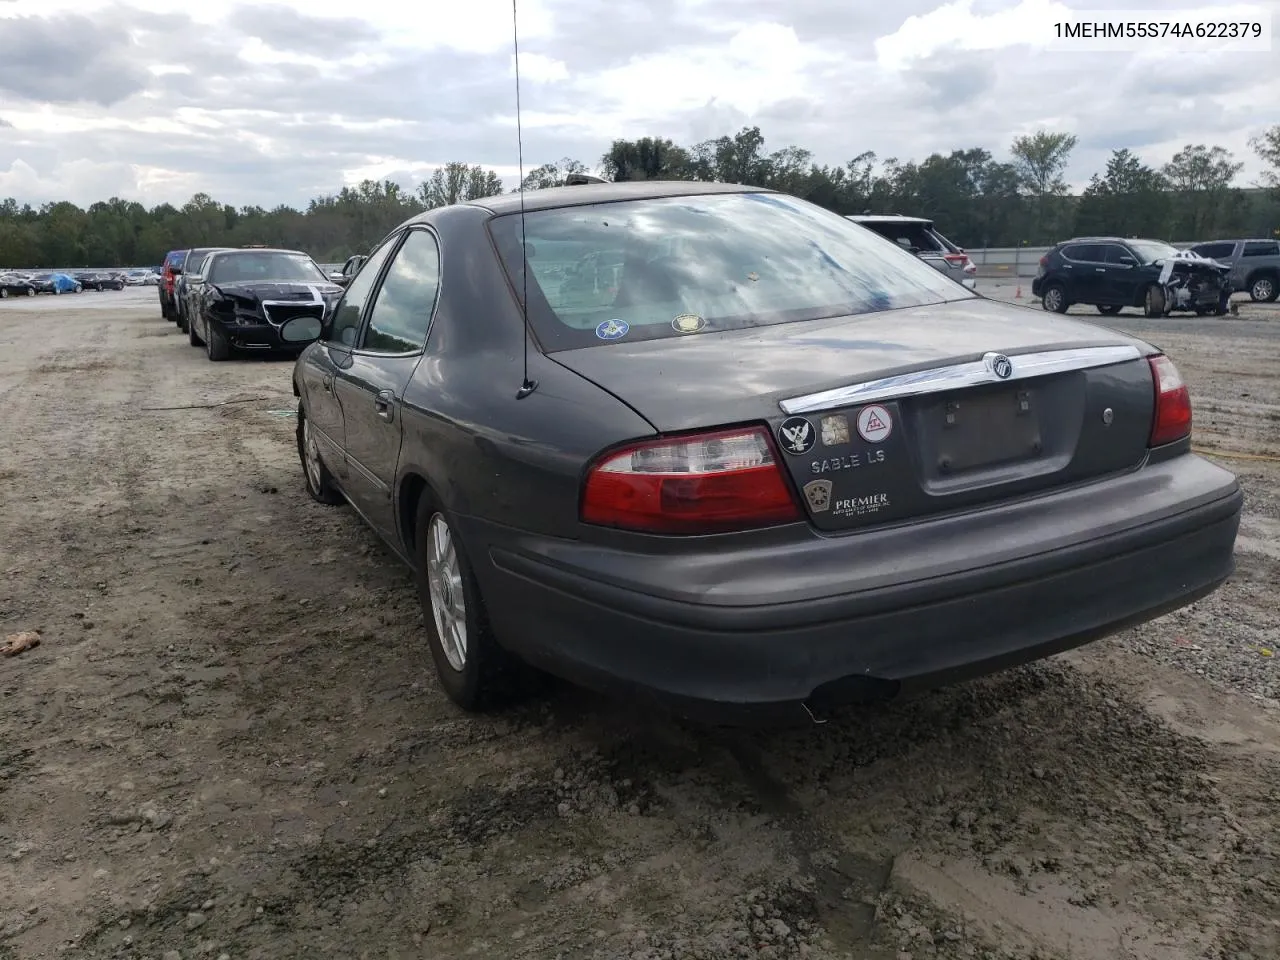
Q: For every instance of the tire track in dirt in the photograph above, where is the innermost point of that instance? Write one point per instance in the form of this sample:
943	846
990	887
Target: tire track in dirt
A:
250	755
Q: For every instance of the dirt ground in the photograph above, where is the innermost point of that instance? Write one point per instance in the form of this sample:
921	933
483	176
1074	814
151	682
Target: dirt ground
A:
229	743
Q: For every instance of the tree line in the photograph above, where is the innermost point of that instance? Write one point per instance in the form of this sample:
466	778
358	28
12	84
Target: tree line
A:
975	198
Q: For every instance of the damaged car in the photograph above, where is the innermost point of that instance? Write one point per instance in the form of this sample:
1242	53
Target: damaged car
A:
243	297
777	467
1112	273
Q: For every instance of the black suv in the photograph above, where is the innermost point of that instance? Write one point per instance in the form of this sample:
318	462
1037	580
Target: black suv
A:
1112	273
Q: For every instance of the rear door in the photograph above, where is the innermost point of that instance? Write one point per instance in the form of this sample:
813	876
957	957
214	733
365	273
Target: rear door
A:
370	387
1085	271
320	364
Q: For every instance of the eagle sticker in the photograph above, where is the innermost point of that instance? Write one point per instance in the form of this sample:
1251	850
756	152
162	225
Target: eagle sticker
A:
796	435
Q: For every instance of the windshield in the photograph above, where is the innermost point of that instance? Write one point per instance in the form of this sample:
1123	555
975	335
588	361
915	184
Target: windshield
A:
674	266
1149	251
265	267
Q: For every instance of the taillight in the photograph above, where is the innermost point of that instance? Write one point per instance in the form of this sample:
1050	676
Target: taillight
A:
960	258
1044	261
700	483
1172	419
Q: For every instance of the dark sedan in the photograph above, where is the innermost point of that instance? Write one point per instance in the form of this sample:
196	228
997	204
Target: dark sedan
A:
12	285
186	277
759	463
240	299
99	281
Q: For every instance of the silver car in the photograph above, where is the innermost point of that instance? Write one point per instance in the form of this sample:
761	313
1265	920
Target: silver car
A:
919	236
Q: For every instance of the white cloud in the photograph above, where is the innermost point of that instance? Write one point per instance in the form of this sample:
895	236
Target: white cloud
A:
275	103
540	68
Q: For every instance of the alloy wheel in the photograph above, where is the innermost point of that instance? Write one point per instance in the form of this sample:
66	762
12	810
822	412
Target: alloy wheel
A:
1263	289
1052	299
311	454
444	582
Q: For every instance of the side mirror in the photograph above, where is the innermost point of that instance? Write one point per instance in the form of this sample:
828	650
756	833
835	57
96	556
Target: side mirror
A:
301	330
1128	262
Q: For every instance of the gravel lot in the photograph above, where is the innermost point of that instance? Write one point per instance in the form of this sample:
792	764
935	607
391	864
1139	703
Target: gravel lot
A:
229	743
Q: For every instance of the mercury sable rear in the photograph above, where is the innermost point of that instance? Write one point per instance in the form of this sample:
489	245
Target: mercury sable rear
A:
762	461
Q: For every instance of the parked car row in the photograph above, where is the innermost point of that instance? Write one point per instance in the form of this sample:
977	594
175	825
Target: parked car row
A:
1111	273
25	284
717	446
235	299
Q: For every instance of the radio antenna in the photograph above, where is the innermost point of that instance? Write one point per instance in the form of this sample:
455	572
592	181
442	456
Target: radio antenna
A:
527	386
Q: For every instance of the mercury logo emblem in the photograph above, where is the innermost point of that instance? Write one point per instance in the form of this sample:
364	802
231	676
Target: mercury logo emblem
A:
999	364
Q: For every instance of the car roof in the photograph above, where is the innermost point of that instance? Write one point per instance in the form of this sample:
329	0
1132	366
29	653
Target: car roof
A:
253	250
1110	240
585	193
886	218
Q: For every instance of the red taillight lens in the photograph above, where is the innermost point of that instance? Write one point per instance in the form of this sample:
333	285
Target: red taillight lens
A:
960	258
702	483
1172	419
1044	261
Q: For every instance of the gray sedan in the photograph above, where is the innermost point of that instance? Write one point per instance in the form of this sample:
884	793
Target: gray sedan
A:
742	456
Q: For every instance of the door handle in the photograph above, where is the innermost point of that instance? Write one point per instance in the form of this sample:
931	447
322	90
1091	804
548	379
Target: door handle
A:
384	405
1100	269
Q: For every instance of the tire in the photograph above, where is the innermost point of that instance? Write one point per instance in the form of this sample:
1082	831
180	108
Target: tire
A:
4	293
31	291
182	323
57	291
482	675
79	289
1264	289
1153	302
215	344
1055	298
315	475
191	336
1109	311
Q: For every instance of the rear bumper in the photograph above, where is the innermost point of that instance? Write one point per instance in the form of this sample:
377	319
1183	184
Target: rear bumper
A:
879	619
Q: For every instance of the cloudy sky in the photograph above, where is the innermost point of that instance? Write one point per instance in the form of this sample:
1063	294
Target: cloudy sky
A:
278	102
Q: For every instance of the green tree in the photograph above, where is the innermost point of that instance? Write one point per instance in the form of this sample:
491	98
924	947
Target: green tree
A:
455	182
1267	146
551	174
649	158
1128	199
1041	160
1201	178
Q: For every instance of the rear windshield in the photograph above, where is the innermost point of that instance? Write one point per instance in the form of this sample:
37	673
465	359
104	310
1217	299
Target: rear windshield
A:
265	267
915	237
674	266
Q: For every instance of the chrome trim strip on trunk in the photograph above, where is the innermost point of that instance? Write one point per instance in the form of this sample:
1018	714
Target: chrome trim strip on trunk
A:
957	376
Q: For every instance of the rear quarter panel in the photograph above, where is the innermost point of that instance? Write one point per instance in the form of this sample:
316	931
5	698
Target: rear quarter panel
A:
484	453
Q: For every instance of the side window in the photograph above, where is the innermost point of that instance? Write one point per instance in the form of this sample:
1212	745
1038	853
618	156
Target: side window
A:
1084	252
1215	251
402	311
1112	253
1261	248
345	322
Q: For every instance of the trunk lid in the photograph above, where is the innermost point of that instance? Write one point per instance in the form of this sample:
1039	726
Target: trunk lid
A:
932	428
